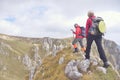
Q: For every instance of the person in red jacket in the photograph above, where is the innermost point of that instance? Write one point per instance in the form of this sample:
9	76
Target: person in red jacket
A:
96	38
78	38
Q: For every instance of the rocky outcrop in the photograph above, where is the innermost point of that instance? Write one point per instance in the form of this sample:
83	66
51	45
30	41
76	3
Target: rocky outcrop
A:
113	53
32	64
52	46
74	70
102	69
83	65
61	60
71	71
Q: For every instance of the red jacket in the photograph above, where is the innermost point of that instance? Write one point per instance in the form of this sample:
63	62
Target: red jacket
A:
77	32
88	24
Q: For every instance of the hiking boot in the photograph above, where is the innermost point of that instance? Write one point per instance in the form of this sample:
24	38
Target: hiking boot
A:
106	65
76	50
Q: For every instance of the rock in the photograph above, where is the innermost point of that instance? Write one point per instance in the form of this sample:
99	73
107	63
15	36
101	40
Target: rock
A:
84	65
27	61
89	72
74	75
71	71
32	72
101	69
94	62
61	60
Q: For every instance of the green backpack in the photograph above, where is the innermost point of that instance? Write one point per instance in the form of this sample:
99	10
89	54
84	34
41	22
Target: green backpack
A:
98	26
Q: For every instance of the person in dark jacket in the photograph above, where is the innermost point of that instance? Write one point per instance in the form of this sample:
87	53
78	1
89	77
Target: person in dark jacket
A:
78	38
97	38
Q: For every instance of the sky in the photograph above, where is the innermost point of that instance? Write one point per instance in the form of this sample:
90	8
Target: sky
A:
55	18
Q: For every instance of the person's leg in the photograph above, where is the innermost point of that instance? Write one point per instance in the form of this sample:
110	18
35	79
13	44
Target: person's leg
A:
75	45
98	41
83	48
80	42
89	42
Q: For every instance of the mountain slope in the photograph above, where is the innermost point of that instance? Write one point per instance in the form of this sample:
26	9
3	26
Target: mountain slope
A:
19	55
52	70
22	57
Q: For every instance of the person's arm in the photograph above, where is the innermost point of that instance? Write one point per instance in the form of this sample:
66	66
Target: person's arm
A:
88	24
73	31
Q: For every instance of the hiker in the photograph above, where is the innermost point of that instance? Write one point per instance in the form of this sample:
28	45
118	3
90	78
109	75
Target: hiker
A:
78	38
97	38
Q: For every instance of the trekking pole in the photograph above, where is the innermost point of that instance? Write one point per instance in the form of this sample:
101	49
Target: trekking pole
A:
72	33
73	36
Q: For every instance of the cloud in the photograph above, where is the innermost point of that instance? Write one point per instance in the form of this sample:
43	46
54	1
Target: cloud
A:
110	17
54	18
7	27
10	19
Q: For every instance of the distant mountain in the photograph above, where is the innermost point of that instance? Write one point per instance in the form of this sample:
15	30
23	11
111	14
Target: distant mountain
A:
24	58
19	56
113	53
119	47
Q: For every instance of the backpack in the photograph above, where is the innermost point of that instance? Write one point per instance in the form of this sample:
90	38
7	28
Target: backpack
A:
82	31
98	26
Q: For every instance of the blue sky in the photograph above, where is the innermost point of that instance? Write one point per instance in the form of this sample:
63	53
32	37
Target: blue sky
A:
55	18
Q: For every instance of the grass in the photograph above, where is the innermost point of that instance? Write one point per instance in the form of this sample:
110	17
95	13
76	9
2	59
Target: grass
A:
14	69
51	70
20	46
97	75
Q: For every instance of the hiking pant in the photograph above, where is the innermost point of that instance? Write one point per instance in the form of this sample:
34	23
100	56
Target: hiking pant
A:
98	41
80	40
